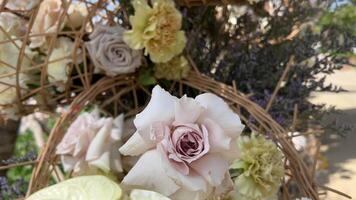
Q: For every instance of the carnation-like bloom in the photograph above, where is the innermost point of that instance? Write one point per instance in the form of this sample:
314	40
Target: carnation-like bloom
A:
90	142
82	187
9	55
262	169
110	53
187	146
59	59
47	21
175	69
77	12
157	29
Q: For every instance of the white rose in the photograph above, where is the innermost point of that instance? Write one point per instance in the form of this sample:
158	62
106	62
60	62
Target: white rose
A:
46	21
12	24
59	59
9	54
20	4
77	12
92	141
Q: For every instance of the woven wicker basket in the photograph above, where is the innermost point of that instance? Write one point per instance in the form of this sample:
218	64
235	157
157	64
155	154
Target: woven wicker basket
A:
297	171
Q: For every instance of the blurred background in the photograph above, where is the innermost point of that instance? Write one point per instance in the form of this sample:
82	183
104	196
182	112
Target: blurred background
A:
250	46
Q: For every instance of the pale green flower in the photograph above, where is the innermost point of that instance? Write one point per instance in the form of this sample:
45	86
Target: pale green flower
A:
157	29
261	167
175	69
83	187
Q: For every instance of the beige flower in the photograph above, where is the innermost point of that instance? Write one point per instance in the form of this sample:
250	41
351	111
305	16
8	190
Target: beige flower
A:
90	142
59	59
21	4
157	29
110	53
77	12
12	24
175	69
9	54
46	21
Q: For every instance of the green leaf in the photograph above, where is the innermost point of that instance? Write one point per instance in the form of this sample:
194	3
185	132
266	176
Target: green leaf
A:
146	77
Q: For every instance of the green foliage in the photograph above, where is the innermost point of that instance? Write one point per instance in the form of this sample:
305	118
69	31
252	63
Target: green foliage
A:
343	18
146	77
24	144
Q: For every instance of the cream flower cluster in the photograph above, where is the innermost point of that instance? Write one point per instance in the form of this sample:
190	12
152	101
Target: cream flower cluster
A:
156	29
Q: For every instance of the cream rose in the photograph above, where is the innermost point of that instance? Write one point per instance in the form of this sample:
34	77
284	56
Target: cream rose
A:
77	12
186	144
46	21
59	59
109	52
90	142
14	25
20	4
9	54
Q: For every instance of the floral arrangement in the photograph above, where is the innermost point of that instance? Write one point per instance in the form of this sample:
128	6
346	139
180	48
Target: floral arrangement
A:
186	148
179	148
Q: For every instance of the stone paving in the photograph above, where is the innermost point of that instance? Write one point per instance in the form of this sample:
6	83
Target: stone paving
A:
340	151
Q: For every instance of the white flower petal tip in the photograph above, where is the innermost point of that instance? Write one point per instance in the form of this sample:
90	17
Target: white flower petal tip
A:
146	195
135	146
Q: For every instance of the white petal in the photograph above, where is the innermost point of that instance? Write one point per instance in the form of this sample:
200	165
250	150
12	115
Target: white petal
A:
103	162
212	167
100	143
149	174
187	110
115	158
118	127
192	182
221	113
160	108
68	162
225	187
218	140
146	195
184	194
136	145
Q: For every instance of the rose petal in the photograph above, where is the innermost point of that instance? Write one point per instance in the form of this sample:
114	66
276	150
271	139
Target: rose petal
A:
221	113
118	125
69	162
160	108
99	145
184	194
226	186
146	195
217	138
136	145
103	162
187	110
212	167
148	173
193	182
